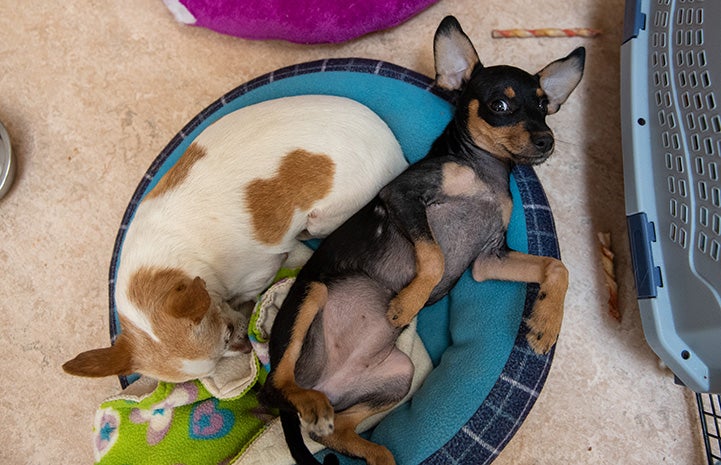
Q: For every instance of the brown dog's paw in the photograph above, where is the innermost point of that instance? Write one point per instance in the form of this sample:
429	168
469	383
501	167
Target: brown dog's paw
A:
545	322
316	413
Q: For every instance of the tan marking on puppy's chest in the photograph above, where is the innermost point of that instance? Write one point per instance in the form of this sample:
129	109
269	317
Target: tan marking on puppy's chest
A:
460	180
302	179
179	171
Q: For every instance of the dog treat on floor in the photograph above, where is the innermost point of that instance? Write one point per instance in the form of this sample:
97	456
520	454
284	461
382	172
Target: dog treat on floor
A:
544	32
607	261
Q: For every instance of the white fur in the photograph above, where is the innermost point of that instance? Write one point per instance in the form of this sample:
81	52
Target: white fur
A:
203	227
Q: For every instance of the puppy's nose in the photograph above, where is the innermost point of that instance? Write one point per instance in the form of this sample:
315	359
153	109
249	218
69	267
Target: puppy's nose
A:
543	142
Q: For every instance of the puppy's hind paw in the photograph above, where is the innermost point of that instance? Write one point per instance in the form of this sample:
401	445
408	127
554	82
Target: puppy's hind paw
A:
317	415
319	428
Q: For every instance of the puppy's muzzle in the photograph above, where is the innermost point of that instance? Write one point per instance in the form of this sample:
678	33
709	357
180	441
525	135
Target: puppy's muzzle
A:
543	142
540	148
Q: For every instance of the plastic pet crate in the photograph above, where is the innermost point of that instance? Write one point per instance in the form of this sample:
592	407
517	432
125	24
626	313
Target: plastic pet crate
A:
671	73
670	82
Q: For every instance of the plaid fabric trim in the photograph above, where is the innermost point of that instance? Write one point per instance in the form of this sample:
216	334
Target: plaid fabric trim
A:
500	415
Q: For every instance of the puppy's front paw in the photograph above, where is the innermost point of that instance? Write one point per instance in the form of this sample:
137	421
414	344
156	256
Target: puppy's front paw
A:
398	315
545	322
316	414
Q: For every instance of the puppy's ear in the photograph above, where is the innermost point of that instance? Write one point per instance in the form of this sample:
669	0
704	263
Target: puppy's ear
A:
189	299
454	55
560	77
114	360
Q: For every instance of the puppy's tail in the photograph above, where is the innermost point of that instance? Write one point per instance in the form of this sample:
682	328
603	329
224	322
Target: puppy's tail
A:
294	439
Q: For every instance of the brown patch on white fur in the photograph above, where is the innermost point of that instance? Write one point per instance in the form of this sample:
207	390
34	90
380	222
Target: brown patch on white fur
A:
169	291
179	171
460	180
502	142
430	265
302	179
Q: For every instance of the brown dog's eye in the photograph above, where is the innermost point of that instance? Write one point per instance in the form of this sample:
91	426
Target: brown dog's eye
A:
228	333
499	106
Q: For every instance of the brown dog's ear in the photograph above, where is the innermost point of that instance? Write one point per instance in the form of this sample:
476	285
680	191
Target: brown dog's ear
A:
559	78
189	299
114	360
454	55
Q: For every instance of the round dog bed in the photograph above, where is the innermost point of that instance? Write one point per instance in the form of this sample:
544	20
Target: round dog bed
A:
485	378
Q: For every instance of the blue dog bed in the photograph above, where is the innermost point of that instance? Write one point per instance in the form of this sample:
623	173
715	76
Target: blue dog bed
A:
485	378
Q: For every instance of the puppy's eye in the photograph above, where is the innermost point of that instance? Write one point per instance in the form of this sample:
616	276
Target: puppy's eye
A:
499	106
543	104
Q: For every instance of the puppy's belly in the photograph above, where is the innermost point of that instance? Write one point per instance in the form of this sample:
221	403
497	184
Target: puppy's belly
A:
350	348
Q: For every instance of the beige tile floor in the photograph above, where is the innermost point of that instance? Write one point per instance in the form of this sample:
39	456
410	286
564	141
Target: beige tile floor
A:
91	91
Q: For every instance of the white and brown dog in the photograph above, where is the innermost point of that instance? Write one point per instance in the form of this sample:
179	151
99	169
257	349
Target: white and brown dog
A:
211	235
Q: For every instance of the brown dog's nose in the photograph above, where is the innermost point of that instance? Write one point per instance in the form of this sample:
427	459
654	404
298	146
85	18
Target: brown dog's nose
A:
543	142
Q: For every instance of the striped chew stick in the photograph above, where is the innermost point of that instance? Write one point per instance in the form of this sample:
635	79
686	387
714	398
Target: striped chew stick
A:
545	32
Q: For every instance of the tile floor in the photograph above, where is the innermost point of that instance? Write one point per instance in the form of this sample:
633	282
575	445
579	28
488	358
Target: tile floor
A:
91	92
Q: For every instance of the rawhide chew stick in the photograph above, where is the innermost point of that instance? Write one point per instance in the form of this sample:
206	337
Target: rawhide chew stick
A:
607	261
545	32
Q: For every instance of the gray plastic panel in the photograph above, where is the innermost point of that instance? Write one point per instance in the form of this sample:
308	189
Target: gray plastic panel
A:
671	77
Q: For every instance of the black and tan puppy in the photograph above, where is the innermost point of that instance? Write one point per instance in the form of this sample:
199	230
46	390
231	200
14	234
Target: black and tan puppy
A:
332	345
